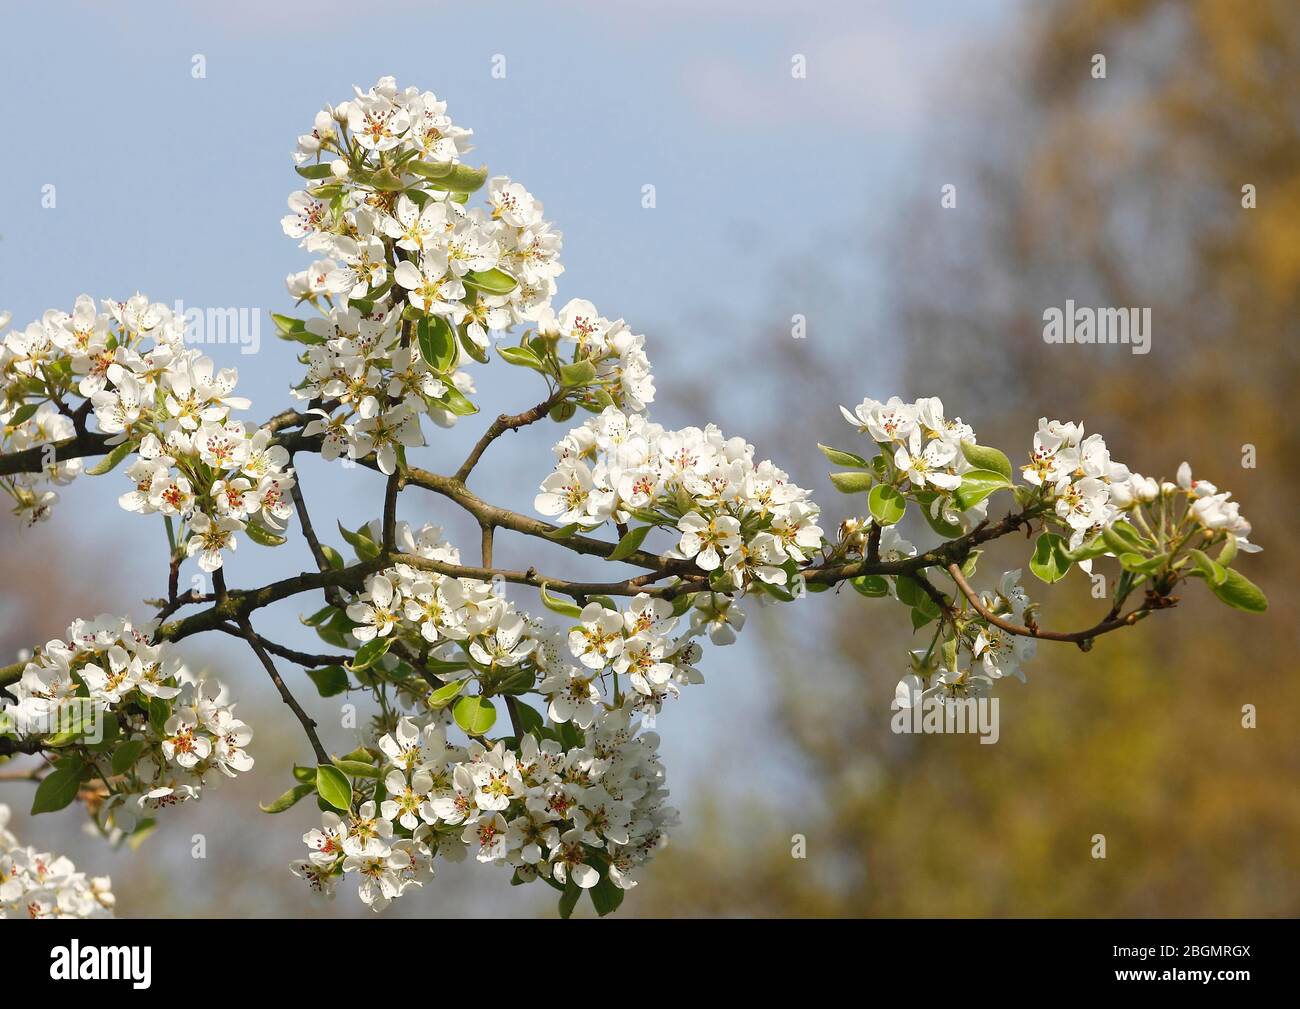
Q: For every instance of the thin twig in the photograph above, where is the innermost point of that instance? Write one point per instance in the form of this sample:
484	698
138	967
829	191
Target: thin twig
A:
1081	638
308	725
506	422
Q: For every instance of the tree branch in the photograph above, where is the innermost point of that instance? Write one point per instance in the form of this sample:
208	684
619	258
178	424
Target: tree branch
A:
506	422
1081	638
286	695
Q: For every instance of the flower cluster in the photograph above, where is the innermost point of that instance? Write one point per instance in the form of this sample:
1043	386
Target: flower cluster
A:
471	630
37	884
153	397
107	686
921	454
977	656
1212	510
578	814
411	280
744	519
1077	474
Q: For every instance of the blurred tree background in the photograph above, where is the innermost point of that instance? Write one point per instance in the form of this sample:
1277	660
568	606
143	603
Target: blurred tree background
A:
1123	191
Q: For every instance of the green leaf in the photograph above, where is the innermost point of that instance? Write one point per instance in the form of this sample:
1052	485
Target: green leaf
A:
56	790
475	714
1228	551
978	484
569	898
523	357
629	544
386	181
1123	538
444	695
430	169
329	680
366	548
437	342
456	402
111	460
987	458
461	178
562	411
492	281
1240	592
1214	572
1050	562
357	768
948	530
315	172
288	799
920	618
370	653
319	617
530	719
606	896
577	374
851	482
1141	565
558	605
841	458
333	786
871	586
1095	547
295	330
260	534
333	557
125	756
886	504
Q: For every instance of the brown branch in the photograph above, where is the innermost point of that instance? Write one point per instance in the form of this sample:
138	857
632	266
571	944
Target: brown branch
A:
391	490
1081	638
308	725
506	422
307	660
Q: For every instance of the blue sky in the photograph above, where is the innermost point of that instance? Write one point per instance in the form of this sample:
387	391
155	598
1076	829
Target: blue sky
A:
175	186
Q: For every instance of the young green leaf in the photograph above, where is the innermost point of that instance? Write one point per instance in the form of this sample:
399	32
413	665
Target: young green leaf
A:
333	786
261	535
109	461
629	544
558	605
606	896
437	342
475	714
978	484
576	374
872	586
851	482
1240	592
886	504
1214	572
370	653
1050	562
288	799
357	768
523	357
329	680
988	458
492	281
56	790
126	755
445	694
841	458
